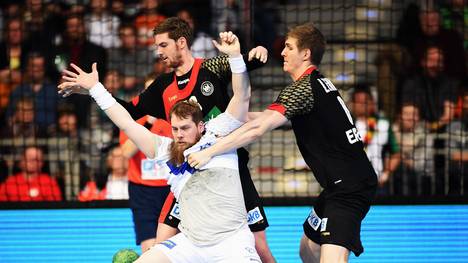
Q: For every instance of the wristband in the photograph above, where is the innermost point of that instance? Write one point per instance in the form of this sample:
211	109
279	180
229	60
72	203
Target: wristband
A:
102	97
237	64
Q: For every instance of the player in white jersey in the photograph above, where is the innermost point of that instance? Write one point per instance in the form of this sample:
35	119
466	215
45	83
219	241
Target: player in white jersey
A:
213	216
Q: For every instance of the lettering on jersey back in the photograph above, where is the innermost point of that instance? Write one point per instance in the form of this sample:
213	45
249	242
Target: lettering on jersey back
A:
327	85
353	135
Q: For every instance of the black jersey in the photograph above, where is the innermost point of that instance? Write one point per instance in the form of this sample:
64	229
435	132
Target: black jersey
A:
207	82
325	131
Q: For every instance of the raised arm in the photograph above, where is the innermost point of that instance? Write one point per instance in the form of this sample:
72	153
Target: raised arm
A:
239	104
142	137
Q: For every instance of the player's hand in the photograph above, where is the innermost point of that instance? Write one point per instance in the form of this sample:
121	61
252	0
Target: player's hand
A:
79	82
198	159
259	53
383	178
229	44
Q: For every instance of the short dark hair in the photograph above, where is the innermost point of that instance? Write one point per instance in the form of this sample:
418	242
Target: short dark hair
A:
176	28
186	108
309	37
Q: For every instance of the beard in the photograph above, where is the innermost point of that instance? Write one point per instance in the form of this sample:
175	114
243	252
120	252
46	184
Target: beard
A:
177	151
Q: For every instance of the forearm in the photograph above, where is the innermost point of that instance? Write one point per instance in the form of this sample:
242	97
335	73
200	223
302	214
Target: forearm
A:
129	149
241	137
393	162
239	104
122	119
248	133
253	115
135	112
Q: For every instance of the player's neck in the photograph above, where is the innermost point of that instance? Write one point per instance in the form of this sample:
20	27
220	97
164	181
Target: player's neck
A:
186	64
299	71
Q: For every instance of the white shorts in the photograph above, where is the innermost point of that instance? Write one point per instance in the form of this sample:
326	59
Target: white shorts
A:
239	247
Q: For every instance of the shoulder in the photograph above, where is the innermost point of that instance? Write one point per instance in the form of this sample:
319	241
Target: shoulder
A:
215	61
162	81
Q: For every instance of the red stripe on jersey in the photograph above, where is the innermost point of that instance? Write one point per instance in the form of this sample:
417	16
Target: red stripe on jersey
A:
135	100
172	94
308	71
166	209
277	107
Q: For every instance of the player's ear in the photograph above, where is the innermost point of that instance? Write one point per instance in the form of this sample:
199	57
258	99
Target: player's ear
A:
201	126
306	54
182	41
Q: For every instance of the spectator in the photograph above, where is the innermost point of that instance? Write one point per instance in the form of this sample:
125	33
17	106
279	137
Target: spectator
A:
40	89
132	61
377	136
31	184
428	32
431	90
21	123
102	25
416	167
117	181
116	186
458	134
65	152
147	19
13	52
43	24
78	50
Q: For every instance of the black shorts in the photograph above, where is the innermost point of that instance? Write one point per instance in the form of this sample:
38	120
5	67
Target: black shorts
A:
337	215
256	214
146	203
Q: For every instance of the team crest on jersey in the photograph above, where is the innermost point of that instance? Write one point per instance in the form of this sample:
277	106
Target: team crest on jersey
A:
207	88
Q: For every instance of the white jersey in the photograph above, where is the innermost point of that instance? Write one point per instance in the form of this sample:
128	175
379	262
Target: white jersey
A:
176	177
211	200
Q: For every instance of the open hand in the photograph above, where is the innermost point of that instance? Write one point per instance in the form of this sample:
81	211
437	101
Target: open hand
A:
79	82
259	53
229	44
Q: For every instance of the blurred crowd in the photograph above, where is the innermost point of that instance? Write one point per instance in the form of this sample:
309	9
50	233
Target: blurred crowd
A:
414	125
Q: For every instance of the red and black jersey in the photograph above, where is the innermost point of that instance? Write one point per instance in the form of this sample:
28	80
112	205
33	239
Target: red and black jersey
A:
325	131
207	81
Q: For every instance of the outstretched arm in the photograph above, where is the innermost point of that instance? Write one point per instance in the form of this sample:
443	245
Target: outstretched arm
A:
243	136
141	136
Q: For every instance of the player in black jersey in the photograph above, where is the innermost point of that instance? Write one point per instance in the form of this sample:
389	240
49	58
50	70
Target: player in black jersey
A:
205	81
329	143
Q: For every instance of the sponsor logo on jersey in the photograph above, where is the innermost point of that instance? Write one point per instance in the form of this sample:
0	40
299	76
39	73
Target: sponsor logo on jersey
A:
314	220
207	88
172	98
323	226
254	216
169	244
175	212
182	82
